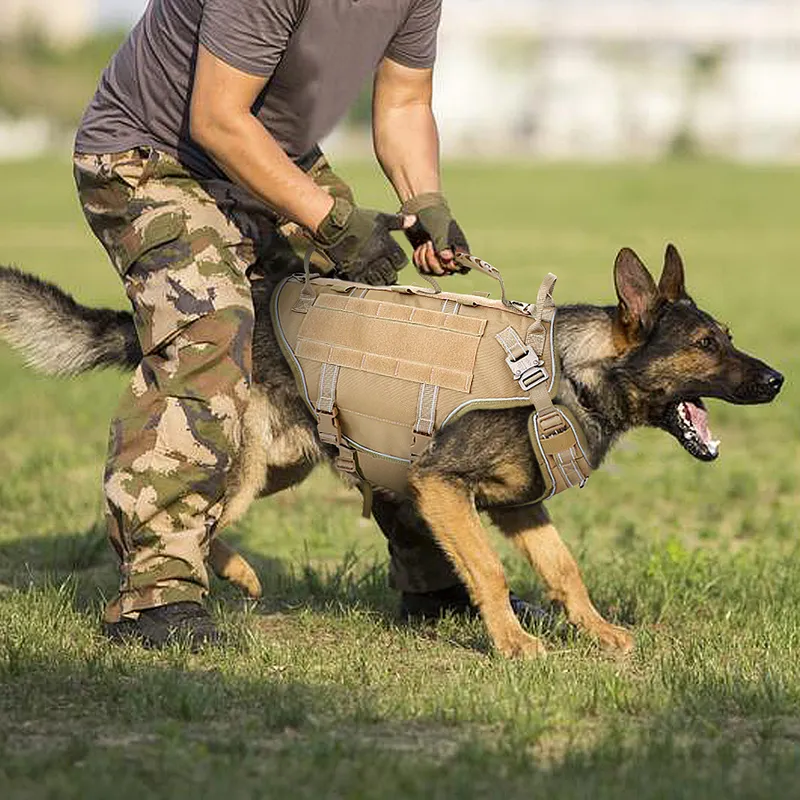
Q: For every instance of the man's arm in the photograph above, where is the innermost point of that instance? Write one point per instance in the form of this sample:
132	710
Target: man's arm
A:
223	124
357	240
404	129
406	144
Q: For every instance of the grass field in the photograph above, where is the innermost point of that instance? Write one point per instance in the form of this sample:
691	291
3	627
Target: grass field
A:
322	694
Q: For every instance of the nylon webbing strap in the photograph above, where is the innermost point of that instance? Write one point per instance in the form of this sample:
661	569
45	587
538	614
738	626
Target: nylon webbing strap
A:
514	346
422	433
328	425
451	307
432	281
330	432
562	460
467	261
567	462
307	296
328	378
536	335
426	408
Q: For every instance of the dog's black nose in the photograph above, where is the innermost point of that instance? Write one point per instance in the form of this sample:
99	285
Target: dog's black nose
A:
773	380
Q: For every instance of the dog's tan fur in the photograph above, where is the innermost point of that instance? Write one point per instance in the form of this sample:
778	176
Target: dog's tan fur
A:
534	534
455	523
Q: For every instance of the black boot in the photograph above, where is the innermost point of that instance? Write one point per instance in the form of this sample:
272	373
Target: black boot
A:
175	623
421	606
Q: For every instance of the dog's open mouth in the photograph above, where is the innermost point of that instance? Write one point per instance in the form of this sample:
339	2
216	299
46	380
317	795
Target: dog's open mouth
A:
687	421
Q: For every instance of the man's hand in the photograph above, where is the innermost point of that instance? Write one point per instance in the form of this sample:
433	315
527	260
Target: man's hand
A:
360	244
435	236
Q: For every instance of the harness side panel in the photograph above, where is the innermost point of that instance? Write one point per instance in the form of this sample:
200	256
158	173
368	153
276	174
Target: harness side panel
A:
387	344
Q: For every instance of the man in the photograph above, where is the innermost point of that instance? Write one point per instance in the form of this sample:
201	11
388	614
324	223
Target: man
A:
200	143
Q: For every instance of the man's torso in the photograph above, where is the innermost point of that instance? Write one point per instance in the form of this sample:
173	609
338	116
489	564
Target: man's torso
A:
316	55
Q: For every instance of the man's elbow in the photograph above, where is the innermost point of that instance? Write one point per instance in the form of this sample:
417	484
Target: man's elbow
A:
202	127
212	127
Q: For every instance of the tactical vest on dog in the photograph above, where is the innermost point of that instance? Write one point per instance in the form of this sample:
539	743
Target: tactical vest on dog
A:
383	368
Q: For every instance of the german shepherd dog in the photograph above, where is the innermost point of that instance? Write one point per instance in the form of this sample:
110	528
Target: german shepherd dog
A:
647	361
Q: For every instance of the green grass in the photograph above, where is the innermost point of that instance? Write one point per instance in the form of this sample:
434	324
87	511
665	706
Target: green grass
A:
321	693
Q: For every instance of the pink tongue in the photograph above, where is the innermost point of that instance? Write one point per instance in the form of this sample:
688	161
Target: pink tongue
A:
699	418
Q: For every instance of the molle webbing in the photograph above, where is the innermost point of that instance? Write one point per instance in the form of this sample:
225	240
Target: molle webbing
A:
383	368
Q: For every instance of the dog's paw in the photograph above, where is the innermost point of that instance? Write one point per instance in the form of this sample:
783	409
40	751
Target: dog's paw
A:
521	645
612	637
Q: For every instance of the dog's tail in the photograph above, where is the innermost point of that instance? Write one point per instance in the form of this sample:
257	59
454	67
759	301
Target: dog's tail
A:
58	336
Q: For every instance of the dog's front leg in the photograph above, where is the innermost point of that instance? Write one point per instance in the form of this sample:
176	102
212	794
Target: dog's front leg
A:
449	510
534	534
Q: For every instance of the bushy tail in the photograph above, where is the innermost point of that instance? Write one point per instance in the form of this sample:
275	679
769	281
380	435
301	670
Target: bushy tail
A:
58	336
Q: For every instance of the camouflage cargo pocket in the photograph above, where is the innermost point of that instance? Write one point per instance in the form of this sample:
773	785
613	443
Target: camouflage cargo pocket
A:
153	229
175	275
145	264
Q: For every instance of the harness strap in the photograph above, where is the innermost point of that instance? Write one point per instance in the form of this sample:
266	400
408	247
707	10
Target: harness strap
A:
328	379
450	307
467	261
328	425
422	432
306	297
567	462
526	360
536	335
563	464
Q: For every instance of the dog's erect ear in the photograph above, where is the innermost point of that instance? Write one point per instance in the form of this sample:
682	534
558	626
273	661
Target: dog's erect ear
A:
672	284
637	293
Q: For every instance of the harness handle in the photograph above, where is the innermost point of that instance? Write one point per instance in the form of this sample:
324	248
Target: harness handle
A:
467	261
544	312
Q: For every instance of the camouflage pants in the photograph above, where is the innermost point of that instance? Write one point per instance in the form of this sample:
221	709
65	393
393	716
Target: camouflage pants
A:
183	250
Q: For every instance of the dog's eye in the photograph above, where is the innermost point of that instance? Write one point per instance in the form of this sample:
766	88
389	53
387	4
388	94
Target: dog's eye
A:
707	343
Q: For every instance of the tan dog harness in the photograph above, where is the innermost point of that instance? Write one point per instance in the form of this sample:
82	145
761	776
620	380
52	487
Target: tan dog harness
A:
383	368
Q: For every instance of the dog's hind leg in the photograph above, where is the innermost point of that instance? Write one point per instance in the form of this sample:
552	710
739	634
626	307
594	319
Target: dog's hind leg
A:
532	531
278	450
450	512
230	566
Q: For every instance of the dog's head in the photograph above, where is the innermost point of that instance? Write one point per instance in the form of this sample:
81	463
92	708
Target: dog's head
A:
676	354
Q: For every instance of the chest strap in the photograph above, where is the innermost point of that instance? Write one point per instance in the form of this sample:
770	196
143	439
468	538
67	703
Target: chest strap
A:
561	458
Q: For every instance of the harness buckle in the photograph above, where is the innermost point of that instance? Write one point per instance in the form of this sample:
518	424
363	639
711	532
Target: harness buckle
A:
328	426
346	460
528	370
419	444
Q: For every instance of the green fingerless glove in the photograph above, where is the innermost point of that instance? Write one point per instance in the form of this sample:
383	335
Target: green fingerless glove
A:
435	223
360	244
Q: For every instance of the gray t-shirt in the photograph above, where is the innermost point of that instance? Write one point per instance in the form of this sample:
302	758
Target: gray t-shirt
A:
316	55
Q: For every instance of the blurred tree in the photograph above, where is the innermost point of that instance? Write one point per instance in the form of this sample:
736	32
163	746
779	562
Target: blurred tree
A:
39	79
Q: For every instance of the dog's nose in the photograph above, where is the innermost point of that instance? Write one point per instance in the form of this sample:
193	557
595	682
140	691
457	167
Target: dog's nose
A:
773	380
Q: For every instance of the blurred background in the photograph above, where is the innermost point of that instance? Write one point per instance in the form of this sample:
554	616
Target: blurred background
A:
573	127
547	79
